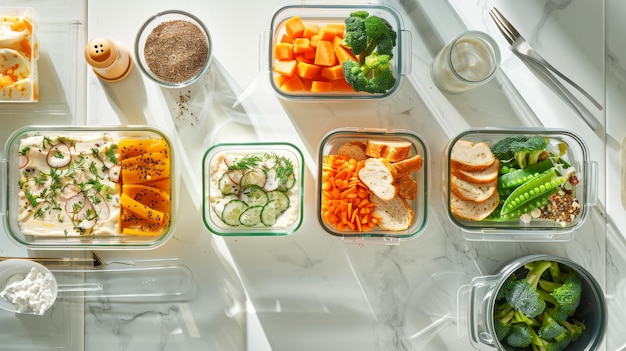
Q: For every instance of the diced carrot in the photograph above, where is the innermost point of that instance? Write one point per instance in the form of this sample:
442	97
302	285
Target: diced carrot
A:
339	28
327	33
308	58
285	67
286	39
310	30
306	70
344	54
294	27
280	79
293	84
337	41
342	85
302	46
314	39
321	87
324	54
283	51
332	72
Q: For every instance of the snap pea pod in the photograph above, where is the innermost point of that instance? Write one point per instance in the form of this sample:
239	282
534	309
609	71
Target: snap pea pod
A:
521	176
530	190
537	202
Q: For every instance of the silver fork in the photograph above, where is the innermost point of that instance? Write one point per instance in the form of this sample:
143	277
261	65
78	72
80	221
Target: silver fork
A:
522	49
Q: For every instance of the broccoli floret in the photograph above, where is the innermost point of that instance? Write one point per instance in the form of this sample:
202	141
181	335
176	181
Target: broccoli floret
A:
374	76
550	328
520	335
522	294
524	150
567	297
503	319
381	35
529	152
355	37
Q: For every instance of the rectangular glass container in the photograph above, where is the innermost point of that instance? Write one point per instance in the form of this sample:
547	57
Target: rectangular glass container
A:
320	15
331	145
69	187
574	173
253	189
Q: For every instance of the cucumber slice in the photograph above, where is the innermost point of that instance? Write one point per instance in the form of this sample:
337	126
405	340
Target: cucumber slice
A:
227	186
232	211
282	200
269	214
253	195
219	205
289	183
255	176
251	216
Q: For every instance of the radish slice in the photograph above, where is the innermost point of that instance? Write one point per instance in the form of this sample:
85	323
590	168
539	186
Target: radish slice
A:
99	204
86	218
75	204
23	161
114	173
235	175
272	181
59	156
108	163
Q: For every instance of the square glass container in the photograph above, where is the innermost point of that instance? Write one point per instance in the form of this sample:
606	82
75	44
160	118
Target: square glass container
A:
69	187
546	210
320	16
331	145
253	189
19	74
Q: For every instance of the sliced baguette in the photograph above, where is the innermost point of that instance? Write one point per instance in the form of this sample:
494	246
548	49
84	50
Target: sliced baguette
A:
471	210
395	214
406	187
488	175
472	191
379	175
470	156
393	151
354	150
409	165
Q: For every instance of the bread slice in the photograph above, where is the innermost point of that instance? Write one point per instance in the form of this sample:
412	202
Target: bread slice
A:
395	215
406	187
472	191
470	156
379	175
393	151
471	210
488	175
409	165
354	150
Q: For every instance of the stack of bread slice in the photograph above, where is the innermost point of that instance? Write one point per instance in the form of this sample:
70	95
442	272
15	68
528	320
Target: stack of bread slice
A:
473	180
387	173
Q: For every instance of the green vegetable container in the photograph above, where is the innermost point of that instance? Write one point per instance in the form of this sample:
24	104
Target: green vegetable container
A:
478	301
544	194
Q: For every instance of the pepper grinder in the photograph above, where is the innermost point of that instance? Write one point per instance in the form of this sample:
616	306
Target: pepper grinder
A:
110	60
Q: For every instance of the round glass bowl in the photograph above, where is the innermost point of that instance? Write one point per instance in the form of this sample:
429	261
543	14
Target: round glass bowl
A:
163	47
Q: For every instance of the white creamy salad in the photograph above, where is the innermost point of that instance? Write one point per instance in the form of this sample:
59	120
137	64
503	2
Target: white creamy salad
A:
68	185
257	190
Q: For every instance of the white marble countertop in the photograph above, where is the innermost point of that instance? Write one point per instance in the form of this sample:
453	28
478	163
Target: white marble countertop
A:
309	291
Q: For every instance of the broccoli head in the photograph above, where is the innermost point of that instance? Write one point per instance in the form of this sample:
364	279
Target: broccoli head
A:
524	150
382	37
520	335
567	297
374	76
550	328
522	294
355	37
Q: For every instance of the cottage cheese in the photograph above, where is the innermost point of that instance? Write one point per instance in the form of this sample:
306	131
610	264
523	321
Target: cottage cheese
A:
32	294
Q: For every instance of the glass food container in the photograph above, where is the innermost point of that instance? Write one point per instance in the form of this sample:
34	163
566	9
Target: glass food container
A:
521	195
397	159
69	187
478	301
292	61
253	189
